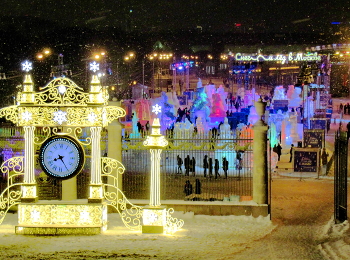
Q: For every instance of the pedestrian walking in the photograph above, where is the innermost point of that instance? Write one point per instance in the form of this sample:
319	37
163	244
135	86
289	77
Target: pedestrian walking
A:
179	164
291	152
217	167
187	165
239	160
225	166
193	166
205	165
279	151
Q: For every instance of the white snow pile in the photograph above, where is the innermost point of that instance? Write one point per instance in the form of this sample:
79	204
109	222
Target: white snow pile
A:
335	240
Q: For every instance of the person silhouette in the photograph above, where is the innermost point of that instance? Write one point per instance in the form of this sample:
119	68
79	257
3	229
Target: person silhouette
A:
205	165
188	188
239	160
179	164
187	165
210	167
217	167
225	166
198	189
193	166
147	127
291	152
279	151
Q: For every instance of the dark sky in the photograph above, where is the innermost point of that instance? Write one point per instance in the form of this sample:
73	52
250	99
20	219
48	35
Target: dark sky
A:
168	14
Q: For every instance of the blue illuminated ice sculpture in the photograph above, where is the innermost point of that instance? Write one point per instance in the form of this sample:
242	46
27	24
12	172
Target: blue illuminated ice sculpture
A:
200	107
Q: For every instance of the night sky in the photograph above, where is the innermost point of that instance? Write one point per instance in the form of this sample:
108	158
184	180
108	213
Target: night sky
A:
215	15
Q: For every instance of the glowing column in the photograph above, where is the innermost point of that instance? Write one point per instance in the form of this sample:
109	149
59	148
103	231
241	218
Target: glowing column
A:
29	186
155	178
96	191
260	181
154	216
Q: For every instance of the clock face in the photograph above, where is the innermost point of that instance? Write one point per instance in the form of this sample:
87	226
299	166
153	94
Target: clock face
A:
61	157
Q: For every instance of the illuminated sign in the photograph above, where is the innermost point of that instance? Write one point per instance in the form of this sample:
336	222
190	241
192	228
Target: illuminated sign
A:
279	57
182	65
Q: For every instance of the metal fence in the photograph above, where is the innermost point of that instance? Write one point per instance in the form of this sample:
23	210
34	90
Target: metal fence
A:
206	184
340	177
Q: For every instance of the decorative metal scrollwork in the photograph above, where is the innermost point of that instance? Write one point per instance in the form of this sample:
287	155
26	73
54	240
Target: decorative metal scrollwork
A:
13	170
130	214
10	113
62	91
172	224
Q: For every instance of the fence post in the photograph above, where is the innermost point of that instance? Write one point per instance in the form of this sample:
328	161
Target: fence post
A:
340	177
260	176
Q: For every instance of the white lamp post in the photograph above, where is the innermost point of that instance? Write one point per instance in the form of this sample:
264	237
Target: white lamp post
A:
154	216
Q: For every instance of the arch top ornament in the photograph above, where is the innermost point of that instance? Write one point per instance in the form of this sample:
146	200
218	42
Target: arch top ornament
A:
62	92
62	103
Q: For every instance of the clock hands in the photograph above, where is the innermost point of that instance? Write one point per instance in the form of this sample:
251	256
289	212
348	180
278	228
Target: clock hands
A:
60	157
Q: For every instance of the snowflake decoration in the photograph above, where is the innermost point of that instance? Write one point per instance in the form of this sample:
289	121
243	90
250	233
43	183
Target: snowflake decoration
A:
153	217
62	89
26	116
156	109
35	215
92	117
60	117
94	66
27	66
84	216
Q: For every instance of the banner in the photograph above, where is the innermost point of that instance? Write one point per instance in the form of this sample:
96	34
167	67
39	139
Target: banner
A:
314	138
306	159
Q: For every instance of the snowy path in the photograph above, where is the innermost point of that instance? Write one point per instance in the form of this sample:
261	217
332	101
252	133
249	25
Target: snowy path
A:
287	243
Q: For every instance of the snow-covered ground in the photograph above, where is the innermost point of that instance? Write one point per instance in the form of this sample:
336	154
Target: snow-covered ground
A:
202	237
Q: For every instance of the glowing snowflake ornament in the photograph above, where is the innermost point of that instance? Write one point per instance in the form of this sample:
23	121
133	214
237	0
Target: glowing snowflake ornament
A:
60	117
27	66
156	109
84	216
94	66
153	217
62	89
26	116
92	117
35	215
